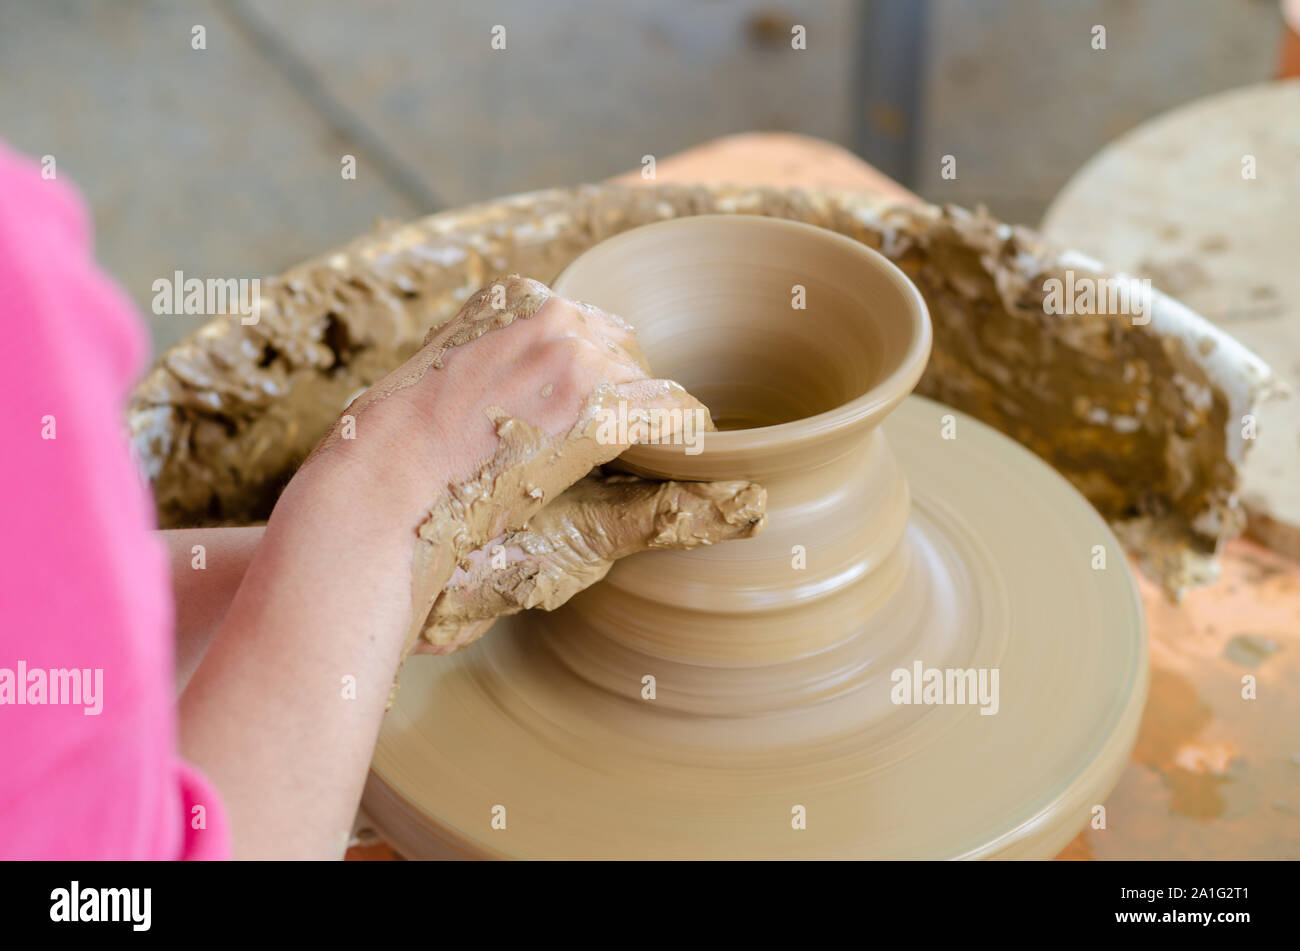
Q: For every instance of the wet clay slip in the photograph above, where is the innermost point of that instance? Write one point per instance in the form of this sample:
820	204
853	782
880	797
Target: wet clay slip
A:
774	696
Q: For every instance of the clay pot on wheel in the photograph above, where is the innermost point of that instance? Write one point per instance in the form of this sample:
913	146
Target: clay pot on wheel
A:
917	658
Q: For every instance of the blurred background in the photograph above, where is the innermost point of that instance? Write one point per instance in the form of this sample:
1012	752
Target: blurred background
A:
226	161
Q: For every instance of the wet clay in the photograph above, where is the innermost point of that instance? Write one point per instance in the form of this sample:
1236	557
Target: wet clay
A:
1144	419
573	542
743	700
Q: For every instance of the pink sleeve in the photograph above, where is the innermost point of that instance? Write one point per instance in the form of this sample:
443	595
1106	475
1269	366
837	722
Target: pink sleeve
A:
87	717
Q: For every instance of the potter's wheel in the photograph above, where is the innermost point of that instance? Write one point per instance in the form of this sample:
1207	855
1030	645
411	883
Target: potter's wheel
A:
584	772
774	658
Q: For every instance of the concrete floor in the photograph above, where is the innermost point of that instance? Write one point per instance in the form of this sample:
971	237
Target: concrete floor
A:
225	162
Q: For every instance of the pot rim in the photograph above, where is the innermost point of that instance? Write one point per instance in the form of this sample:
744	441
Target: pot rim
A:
867	409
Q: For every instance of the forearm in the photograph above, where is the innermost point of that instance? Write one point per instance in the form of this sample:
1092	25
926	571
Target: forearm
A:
433	461
285	708
207	566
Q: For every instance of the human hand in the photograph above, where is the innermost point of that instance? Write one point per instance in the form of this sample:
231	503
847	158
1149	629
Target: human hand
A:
495	416
500	411
573	542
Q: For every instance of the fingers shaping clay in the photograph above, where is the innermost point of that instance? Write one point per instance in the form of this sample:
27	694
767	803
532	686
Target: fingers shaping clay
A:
1144	418
528	466
573	542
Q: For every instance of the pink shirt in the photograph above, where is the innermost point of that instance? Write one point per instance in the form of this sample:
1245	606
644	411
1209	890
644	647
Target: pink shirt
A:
83	582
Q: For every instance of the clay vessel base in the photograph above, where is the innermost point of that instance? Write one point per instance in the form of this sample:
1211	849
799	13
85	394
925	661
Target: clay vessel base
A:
994	570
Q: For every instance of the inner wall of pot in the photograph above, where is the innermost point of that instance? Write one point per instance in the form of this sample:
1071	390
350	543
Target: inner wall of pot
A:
765	325
740	347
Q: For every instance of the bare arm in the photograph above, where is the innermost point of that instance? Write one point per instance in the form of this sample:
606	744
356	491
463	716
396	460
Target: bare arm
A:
207	566
285	707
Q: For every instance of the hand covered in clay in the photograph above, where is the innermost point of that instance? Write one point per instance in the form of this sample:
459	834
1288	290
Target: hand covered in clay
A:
502	409
573	542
